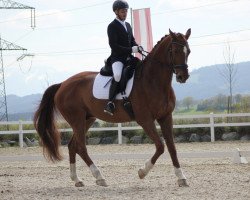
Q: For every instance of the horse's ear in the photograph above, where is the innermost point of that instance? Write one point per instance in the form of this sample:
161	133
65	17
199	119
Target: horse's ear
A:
188	33
172	35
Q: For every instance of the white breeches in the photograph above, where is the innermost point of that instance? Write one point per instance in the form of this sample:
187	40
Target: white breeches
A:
117	70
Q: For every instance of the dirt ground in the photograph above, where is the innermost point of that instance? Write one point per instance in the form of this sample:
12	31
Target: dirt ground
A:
208	178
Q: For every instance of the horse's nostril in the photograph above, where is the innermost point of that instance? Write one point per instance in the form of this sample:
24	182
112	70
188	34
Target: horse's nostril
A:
178	79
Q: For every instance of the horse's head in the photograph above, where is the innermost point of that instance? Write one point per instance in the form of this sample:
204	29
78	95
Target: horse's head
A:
179	52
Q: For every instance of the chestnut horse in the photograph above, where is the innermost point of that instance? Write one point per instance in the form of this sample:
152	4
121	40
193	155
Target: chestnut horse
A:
152	98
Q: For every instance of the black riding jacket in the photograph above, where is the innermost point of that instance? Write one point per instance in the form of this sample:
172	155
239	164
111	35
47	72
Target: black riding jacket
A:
120	41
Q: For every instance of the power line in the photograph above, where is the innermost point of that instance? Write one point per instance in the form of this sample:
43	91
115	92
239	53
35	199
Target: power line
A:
71	51
102	22
86	51
74	52
218	43
74	9
71	26
223	33
9	4
25	35
58	12
94	5
78	52
192	8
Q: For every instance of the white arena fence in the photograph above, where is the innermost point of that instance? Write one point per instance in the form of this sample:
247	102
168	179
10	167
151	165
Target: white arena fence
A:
214	120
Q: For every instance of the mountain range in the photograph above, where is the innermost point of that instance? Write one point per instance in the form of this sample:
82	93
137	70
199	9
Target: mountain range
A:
203	83
208	81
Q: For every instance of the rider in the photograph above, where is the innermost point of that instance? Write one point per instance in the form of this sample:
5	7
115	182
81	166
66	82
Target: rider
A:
122	43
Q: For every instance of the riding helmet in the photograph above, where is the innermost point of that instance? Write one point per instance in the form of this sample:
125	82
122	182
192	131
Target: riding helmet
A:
120	4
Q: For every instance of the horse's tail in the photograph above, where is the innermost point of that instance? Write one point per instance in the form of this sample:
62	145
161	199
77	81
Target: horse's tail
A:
44	123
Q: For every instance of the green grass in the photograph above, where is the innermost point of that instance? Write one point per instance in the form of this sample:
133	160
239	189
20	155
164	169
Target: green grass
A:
191	111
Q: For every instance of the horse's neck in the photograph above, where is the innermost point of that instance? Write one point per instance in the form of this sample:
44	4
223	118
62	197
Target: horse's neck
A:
157	72
157	75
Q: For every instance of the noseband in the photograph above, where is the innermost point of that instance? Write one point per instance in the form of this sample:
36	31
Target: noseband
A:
174	66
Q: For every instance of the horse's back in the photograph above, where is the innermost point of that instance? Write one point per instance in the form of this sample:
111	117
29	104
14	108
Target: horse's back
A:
72	88
82	76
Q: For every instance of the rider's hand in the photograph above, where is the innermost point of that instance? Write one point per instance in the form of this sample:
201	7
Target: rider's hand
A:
140	49
135	49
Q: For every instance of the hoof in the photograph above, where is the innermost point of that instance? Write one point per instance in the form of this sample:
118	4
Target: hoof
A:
102	182
182	183
79	184
141	174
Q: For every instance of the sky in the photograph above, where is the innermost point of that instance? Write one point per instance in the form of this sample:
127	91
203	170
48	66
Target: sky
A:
71	36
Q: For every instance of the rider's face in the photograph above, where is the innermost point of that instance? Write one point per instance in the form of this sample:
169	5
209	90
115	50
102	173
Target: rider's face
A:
122	14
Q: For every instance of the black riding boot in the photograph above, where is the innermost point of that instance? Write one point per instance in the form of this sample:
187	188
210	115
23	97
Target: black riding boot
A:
112	93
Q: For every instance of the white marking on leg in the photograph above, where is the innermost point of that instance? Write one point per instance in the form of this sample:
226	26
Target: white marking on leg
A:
179	173
96	172
73	174
148	167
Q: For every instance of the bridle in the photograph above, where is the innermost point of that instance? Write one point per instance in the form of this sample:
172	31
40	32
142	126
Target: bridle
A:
173	65
172	57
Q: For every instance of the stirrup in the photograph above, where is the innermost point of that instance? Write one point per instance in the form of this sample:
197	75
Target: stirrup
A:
128	107
110	108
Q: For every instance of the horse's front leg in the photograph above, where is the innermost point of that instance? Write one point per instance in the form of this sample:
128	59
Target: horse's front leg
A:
166	124
150	129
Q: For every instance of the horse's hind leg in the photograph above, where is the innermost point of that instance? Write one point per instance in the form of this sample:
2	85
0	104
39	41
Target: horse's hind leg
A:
79	147
72	161
72	146
166	124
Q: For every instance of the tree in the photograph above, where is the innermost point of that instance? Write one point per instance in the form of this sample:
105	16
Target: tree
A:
245	104
187	102
229	74
237	98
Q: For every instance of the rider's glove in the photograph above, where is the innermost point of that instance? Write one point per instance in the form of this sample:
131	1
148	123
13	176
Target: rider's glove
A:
135	49
140	49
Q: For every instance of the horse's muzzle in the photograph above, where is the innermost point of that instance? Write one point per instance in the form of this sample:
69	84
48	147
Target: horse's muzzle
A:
182	78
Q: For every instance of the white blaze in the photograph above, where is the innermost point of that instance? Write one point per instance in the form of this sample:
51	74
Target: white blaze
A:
185	50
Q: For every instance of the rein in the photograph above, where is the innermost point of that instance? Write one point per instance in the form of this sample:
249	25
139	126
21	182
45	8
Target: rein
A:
143	55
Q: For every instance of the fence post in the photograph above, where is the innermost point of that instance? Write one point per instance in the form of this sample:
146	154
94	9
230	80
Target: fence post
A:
119	133
212	127
20	134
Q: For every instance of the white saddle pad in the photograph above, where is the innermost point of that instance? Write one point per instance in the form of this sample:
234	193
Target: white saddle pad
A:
102	84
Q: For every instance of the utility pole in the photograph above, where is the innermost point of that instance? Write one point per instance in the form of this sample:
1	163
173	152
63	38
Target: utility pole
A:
5	46
8	46
9	4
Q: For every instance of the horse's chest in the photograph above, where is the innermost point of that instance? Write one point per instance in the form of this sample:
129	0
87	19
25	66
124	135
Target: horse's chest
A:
164	108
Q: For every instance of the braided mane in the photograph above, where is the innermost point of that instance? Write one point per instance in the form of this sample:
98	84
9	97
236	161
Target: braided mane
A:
157	44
